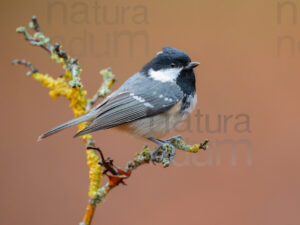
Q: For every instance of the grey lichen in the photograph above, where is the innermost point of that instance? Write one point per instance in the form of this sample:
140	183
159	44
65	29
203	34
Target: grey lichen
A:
108	79
179	144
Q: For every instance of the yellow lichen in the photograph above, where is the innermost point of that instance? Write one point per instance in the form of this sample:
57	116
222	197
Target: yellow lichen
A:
95	174
77	96
194	148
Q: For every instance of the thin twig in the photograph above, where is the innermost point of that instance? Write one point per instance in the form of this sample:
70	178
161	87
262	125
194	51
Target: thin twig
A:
109	79
39	39
33	69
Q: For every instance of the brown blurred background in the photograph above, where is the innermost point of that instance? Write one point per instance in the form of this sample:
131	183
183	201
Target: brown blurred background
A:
249	73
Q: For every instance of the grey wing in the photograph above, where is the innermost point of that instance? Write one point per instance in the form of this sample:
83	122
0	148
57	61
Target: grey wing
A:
127	106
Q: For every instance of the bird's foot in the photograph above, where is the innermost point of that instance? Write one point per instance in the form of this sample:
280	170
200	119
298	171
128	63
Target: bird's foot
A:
165	152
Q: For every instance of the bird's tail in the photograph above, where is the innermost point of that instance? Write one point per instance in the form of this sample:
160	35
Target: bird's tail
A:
73	122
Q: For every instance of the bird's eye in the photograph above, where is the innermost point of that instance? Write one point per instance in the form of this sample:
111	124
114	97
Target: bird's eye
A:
172	65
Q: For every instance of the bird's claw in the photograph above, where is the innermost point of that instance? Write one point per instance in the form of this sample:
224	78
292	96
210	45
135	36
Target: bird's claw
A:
165	152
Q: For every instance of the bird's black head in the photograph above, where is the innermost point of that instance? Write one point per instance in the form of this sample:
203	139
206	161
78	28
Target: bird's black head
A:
172	65
169	58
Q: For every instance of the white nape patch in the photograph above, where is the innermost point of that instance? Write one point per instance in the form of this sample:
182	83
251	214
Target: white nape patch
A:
165	75
147	104
160	52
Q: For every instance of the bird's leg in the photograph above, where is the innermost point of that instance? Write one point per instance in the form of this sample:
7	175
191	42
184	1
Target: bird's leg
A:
157	154
165	152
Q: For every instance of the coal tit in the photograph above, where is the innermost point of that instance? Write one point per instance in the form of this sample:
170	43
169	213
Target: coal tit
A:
150	103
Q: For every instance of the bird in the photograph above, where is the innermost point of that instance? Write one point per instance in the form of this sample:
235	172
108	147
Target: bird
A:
150	104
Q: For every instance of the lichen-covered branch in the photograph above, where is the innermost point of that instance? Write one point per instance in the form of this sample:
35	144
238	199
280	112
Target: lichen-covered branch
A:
109	79
69	85
32	70
118	175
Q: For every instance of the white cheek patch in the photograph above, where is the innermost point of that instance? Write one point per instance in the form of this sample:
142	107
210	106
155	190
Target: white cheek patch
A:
165	75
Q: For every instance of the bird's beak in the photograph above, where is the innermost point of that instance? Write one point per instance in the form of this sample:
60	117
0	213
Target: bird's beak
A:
191	65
